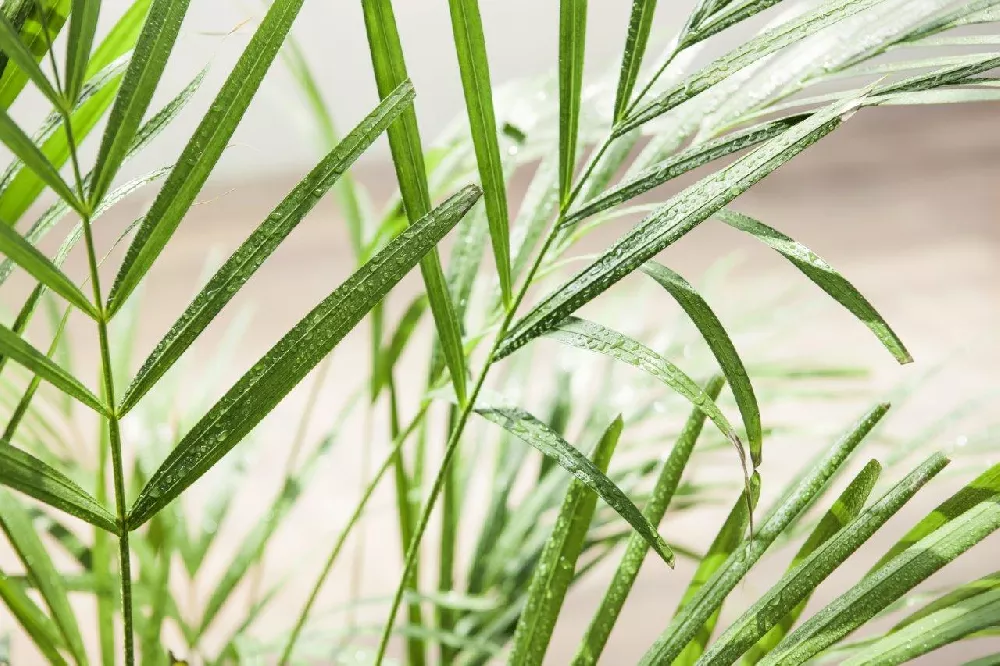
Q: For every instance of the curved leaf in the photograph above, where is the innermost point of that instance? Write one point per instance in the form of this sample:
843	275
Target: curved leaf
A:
255	394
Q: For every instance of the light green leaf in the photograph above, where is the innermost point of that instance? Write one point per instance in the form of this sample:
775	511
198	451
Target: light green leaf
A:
401	336
810	486
407	156
669	223
639	23
22	146
572	48
265	239
718	341
38	266
824	276
19	350
152	50
29	475
532	431
557	563
203	150
35	35
292	358
82	26
889	582
844	510
596	636
121	38
590	336
17	525
14	48
35	623
473	64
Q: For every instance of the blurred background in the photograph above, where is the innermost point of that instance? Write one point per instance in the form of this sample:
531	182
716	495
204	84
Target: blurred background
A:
904	201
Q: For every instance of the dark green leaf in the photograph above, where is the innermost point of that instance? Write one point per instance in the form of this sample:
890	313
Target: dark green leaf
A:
35	623
639	24
29	475
824	276
203	150
82	26
292	358
36	33
38	266
265	239
572	43
18	142
532	431
14	48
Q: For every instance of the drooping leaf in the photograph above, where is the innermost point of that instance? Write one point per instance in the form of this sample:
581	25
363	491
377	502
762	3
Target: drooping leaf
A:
152	49
14	48
639	24
844	510
29	475
21	534
473	64
265	239
824	276
596	636
291	359
668	224
20	351
532	431
555	568
203	150
389	66
811	484
572	43
35	623
718	341
38	266
82	26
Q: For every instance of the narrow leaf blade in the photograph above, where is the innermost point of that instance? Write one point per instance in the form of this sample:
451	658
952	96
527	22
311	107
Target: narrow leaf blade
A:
82	26
38	266
572	47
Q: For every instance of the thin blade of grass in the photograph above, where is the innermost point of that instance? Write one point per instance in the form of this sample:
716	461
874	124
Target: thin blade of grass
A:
596	636
890	581
29	475
15	347
14	48
639	24
532	431
17	525
572	48
36	624
669	223
473	64
809	487
82	26
389	66
203	150
714	334
24	148
397	343
152	50
265	239
292	358
38	266
844	510
557	563
727	540
823	275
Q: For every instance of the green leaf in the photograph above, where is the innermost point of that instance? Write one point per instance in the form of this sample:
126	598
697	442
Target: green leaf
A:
401	336
29	475
824	276
889	582
669	223
596	636
121	38
35	35
844	510
19	350
38	266
572	48
36	624
14	48
639	24
554	570
749	52
589	336
18	142
810	486
795	586
203	150
726	541
152	50
407	157
538	207
957	615
681	163
265	239
470	43
532	431
292	358
718	341
82	26
17	525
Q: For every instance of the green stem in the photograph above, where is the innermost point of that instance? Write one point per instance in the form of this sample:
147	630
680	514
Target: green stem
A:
446	557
